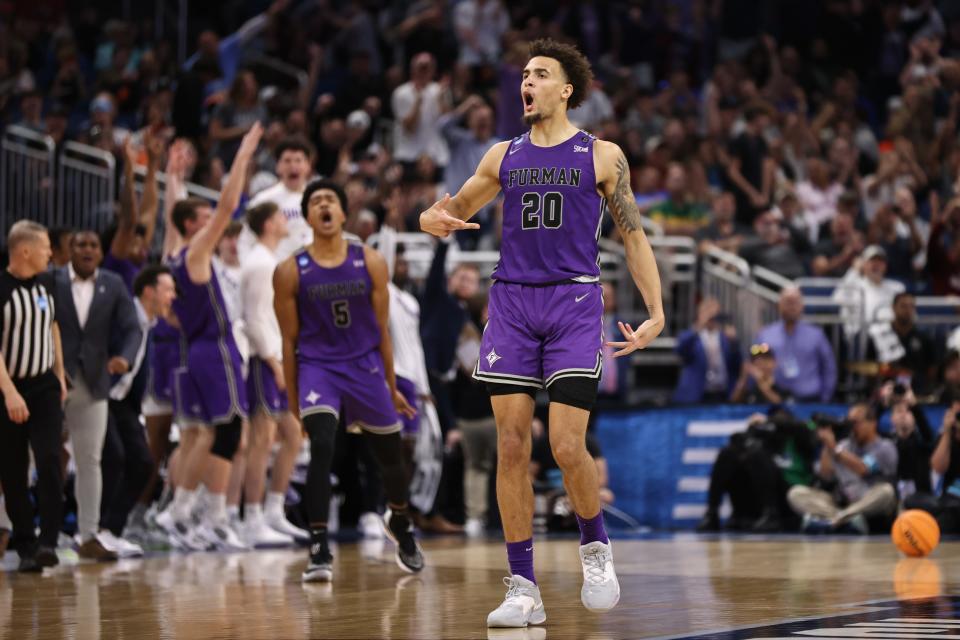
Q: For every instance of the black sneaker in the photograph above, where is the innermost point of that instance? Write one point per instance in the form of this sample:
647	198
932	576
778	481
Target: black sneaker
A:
47	557
28	560
399	529
709	523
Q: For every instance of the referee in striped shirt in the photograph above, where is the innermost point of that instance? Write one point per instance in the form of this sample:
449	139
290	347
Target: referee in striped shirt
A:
34	388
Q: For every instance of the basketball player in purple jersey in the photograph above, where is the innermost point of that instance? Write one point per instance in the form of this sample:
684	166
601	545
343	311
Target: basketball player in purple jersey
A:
209	391
545	326
332	301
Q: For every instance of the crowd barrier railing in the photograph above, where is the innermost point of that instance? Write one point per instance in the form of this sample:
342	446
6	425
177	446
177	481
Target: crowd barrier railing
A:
27	173
86	187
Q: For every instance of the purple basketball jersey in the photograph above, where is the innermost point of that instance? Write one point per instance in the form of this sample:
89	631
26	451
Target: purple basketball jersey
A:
337	321
199	307
126	269
551	212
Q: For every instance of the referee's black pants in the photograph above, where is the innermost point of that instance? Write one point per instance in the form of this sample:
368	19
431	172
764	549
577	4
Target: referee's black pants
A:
41	432
126	464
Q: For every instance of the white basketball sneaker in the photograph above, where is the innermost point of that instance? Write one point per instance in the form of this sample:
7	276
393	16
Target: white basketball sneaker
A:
258	535
221	536
521	606
600	591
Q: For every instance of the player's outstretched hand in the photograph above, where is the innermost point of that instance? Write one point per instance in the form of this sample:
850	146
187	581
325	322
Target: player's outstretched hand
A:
403	407
638	339
251	139
437	220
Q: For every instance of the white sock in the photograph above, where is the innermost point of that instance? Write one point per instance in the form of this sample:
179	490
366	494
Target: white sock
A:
182	505
217	503
254	511
274	503
233	511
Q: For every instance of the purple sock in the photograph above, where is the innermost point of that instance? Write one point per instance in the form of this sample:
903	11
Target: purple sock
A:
591	529
520	557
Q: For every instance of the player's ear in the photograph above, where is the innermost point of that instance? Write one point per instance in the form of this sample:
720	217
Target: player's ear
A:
567	91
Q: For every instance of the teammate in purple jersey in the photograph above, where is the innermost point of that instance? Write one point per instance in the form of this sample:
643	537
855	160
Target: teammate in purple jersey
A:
209	391
545	327
332	301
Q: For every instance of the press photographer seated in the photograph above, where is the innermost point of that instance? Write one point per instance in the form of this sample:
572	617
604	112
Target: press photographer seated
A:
756	469
858	473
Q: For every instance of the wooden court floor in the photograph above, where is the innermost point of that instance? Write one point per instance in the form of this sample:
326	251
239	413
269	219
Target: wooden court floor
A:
683	585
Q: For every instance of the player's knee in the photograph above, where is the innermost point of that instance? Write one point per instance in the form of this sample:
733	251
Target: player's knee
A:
227	439
575	391
512	450
568	451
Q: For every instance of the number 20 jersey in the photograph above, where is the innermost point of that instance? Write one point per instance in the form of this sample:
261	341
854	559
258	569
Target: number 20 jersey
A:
551	212
337	320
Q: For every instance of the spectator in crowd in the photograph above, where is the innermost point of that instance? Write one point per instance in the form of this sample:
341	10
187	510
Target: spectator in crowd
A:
818	195
722	231
679	214
95	304
60	240
234	117
895	171
806	367
862	466
294	157
949	389
943	249
913	436
900	344
102	124
865	295
443	313
834	254
770	247
884	232
757	383
480	25
467	147
710	355
747	171
945	461
31	111
417	107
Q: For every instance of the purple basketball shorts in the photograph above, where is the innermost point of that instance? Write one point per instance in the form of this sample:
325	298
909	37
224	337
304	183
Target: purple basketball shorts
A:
210	389
539	334
262	389
357	387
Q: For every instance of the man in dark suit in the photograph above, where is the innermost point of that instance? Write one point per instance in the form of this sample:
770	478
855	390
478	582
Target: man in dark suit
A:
711	358
95	306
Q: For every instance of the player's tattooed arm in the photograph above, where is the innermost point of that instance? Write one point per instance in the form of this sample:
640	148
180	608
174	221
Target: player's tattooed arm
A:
622	203
613	174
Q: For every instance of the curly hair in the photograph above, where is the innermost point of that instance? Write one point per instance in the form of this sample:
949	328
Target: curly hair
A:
574	64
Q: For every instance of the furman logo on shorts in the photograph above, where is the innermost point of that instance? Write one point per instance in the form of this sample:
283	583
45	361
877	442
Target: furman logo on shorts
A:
492	357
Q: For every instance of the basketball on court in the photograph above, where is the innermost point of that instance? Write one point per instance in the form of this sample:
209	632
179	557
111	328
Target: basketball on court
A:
915	533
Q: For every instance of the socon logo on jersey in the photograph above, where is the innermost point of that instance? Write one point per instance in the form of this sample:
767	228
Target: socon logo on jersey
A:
578	149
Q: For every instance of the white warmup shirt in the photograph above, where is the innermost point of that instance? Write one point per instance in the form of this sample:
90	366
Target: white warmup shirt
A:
408	359
256	296
300	233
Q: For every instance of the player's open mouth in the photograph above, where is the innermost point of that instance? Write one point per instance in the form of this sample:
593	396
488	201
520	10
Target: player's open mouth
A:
326	218
527	101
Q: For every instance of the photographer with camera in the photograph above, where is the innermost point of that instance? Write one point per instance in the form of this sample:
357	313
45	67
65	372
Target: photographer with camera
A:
946	461
860	468
756	469
911	434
